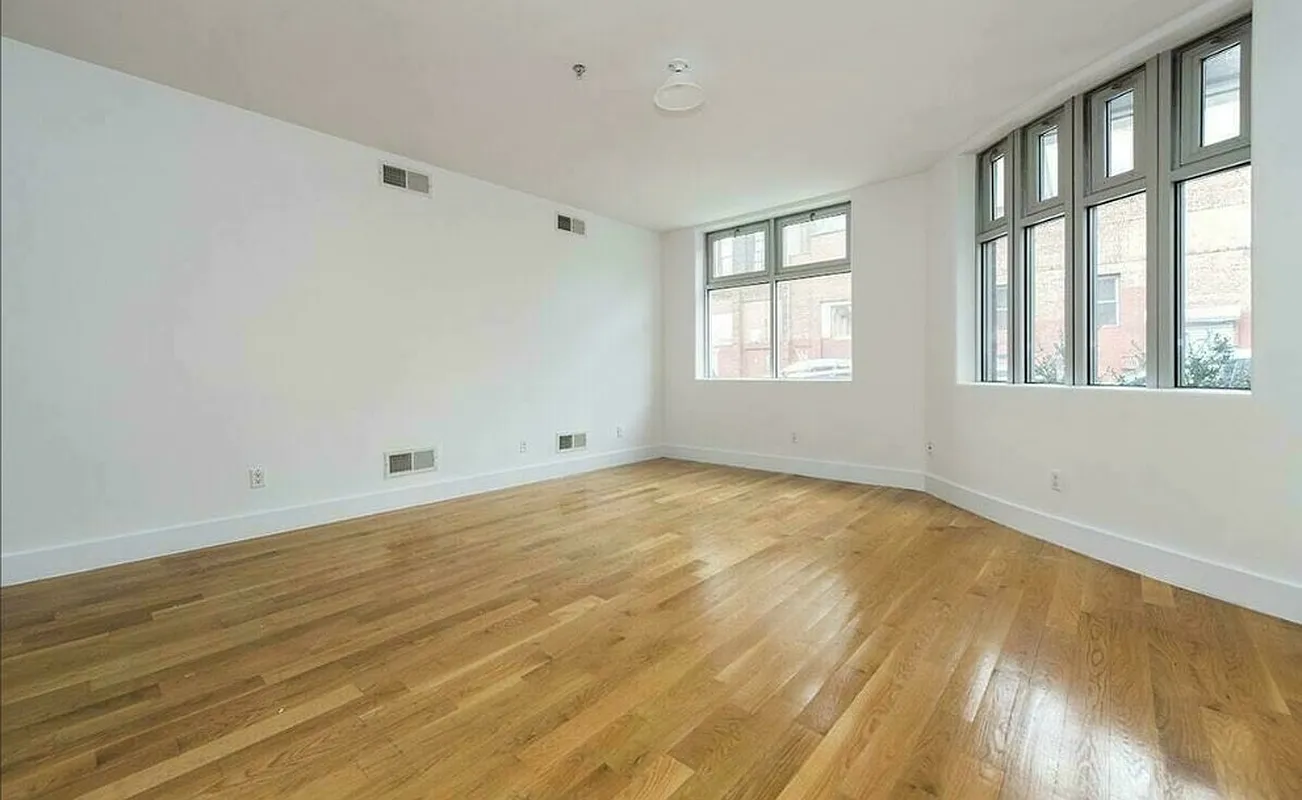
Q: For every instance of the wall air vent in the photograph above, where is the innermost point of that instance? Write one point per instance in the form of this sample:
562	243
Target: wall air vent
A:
406	462
400	178
565	442
572	225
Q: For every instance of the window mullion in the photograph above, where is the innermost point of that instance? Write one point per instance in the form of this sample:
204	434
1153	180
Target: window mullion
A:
1162	275
1155	355
772	256
1067	179
1017	327
1078	338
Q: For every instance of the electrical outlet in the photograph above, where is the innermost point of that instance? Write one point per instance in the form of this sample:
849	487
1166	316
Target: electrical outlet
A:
1055	480
524	446
619	432
794	438
257	478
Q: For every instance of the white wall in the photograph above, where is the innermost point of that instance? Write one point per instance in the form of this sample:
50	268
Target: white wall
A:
1201	488
870	429
190	289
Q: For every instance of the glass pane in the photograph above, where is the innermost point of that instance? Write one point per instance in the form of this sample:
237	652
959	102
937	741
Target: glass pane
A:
738	255
1119	292
994	278
1048	159
1047	265
1216	279
1221	74
813	241
997	188
1121	133
739	332
814	330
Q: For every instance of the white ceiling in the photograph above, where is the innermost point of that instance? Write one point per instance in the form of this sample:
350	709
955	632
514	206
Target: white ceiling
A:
805	98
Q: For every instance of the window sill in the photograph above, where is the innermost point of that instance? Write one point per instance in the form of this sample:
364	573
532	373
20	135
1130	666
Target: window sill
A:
1136	390
775	380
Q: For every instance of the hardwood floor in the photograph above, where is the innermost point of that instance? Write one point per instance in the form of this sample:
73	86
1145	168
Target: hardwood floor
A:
659	630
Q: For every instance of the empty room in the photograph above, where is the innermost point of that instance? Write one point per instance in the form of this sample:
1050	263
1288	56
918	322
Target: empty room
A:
516	399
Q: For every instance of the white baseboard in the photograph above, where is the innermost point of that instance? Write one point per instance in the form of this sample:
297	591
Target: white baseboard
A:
1269	595
812	468
1261	593
30	565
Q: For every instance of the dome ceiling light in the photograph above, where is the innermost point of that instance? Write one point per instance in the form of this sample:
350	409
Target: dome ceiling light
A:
679	92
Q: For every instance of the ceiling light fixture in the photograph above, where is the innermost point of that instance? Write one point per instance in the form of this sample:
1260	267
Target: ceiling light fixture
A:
679	92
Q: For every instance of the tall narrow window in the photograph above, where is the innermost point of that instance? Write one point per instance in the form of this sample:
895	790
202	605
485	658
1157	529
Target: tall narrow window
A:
1220	96
1118	258
997	188
1048	164
1215	279
1120	142
996	336
1046	265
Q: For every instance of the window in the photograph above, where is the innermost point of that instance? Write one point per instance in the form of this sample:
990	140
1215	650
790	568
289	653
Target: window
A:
1120	141
1220	96
1115	138
1215	281
745	309
1074	288
997	188
1118	257
1213	87
836	320
1046	267
740	251
813	241
1107	301
1047	160
995	334
993	188
791	290
814	335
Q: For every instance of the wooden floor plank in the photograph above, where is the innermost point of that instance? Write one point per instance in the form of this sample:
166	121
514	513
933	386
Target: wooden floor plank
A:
662	630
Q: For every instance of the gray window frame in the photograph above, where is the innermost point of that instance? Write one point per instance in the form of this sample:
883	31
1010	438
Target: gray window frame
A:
1059	120
987	357
772	275
1168	107
1193	160
986	221
1096	111
1188	94
1033	212
730	233
990	228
